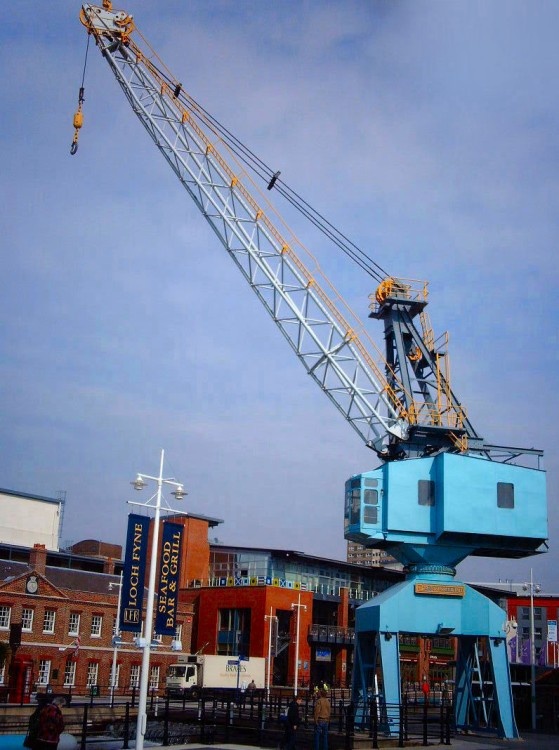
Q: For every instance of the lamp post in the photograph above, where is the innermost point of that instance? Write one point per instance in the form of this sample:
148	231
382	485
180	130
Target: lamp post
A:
532	586
272	618
298	607
139	483
116	637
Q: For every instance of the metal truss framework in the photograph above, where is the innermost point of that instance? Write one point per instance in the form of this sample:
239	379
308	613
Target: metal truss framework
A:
323	341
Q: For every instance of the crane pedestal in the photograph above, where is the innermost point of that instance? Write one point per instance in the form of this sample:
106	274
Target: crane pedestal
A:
431	603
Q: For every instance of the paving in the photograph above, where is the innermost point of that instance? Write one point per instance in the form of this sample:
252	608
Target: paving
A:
459	742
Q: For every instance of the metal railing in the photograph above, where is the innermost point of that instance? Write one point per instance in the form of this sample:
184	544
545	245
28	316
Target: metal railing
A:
331	634
247	718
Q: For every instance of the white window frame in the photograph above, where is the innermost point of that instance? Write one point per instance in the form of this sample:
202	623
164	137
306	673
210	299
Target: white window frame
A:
2	673
92	673
134	675
5	616
70	673
154	677
27	617
44	672
96	626
49	621
74	623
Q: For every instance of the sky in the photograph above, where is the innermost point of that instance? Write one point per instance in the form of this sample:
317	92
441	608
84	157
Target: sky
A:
426	131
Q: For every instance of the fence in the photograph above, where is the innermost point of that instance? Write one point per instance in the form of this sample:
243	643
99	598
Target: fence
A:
246	718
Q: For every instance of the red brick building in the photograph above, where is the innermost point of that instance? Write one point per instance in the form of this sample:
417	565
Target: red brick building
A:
59	608
61	622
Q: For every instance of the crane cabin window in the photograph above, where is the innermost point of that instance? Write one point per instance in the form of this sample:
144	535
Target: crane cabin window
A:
353	501
370	501
370	493
425	492
505	495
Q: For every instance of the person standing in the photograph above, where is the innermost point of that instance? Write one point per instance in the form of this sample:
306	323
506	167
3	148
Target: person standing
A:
293	721
50	725
322	710
33	726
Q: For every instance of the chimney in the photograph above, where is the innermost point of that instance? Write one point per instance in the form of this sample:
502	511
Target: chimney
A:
38	558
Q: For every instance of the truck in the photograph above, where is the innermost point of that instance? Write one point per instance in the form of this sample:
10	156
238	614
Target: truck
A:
194	672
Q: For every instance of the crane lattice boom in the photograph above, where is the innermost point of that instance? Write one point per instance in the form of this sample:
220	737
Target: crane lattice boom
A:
400	404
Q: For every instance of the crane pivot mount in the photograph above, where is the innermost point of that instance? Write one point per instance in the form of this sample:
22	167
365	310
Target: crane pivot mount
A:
105	21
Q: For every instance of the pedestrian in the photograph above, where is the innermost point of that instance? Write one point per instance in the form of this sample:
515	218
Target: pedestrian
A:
50	725
33	727
251	685
293	721
322	710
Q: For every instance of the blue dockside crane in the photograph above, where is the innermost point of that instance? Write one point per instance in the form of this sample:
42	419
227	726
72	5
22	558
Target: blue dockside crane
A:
441	492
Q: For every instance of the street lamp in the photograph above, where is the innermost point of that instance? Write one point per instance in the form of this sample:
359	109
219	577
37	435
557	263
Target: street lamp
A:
537	588
139	483
116	637
298	607
272	618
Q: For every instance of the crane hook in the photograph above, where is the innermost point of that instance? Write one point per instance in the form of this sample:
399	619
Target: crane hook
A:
78	122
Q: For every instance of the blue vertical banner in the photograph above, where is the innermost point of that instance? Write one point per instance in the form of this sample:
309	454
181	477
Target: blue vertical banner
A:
133	575
168	579
512	646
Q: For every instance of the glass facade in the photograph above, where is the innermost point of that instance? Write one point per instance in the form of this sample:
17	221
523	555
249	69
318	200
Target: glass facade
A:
241	566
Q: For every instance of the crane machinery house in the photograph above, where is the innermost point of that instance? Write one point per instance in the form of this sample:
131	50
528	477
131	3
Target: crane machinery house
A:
441	492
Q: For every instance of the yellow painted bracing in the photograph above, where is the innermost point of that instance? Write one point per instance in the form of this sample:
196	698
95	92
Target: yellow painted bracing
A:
285	247
380	369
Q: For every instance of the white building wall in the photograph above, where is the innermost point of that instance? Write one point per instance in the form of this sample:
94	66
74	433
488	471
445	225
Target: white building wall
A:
25	520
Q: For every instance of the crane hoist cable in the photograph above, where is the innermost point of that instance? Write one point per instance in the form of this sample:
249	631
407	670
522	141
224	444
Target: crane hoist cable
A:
78	115
261	169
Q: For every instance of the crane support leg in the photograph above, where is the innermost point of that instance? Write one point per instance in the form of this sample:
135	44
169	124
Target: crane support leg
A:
430	603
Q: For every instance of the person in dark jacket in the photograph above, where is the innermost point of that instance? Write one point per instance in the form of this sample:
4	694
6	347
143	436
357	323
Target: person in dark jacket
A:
33	726
293	722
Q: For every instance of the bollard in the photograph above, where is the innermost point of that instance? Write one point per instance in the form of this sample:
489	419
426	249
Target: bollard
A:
126	727
425	707
448	715
349	726
166	723
202	718
228	719
374	714
84	728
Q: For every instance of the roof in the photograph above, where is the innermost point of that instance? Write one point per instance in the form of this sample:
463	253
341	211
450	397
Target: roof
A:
29	496
210	520
306	558
63	578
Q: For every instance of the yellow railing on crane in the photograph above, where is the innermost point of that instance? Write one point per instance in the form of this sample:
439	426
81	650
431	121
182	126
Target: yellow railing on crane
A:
121	24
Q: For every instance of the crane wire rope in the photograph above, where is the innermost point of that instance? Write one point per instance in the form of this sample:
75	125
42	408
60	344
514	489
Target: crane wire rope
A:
78	116
262	170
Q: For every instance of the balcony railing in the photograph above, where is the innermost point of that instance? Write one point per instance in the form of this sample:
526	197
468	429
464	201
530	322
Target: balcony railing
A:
331	634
